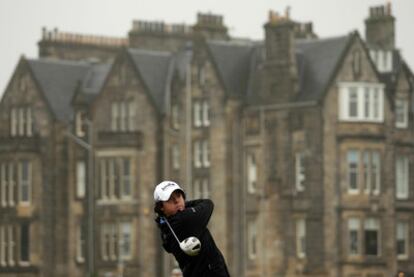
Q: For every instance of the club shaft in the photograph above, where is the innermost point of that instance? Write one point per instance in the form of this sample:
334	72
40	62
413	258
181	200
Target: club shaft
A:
172	231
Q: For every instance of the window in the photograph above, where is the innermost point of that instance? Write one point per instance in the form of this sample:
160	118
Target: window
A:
300	238
206	153
123	116
80	244
353	165
300	171
251	173
3	246
402	239
402	177
353	238
201	111
361	102
197	114
15	176
80	179
24	244
252	239
175	154
371	236
3	184
115	178
11	243
401	113
206	113
25	173
370	171
125	240
175	120
198	154
201	188
356	62
201	153
79	123
382	59
116	241
21	122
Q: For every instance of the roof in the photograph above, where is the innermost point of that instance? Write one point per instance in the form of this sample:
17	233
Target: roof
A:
155	68
58	80
232	60
317	60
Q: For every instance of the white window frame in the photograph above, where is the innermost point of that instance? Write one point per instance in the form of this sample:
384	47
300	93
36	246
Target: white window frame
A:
3	183
79	117
401	113
354	225
300	175
125	231
13	122
175	117
131	116
366	93
25	183
403	233
125	175
80	178
197	114
301	238
373	224
114	116
252	239
351	170
206	113
376	171
175	156
197	154
3	246
251	172
11	237
12	183
402	176
206	153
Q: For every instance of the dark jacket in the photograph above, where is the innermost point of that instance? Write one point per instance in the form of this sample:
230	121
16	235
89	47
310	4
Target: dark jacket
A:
193	222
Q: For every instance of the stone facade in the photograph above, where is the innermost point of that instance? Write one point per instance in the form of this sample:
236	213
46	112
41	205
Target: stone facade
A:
305	145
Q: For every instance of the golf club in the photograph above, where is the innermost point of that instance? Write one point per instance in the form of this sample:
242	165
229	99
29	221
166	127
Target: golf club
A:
190	246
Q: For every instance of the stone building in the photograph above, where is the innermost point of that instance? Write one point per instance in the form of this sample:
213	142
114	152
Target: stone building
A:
305	145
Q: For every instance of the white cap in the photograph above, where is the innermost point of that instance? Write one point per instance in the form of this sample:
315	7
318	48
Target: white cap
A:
164	189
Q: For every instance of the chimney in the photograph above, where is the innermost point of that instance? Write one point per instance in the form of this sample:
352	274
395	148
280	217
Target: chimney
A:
280	61
379	28
210	26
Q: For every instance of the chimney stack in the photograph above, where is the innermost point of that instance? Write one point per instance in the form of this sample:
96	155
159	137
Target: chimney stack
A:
379	28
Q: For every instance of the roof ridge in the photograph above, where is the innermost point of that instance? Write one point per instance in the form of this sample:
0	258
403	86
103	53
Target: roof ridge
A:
60	62
150	52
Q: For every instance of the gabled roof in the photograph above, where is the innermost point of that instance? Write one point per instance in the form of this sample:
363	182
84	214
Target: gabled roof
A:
232	61
58	80
317	61
92	83
155	68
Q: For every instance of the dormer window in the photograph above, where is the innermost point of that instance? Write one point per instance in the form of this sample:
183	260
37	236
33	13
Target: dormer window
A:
382	59
401	113
21	122
122	116
361	102
79	123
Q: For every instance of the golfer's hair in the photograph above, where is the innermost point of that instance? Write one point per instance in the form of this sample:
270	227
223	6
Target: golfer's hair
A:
158	205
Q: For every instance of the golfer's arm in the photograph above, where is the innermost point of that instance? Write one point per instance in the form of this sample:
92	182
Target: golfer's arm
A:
197	213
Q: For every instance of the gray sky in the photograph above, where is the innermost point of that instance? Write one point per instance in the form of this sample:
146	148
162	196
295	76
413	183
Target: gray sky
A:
21	21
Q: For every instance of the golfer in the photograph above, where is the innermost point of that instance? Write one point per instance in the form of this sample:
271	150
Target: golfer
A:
187	219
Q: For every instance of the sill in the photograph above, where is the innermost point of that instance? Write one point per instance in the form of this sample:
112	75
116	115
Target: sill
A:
24	264
80	260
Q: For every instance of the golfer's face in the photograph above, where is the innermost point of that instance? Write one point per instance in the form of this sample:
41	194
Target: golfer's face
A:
174	204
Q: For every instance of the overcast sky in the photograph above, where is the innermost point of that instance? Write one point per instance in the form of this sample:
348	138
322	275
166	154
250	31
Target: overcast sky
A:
21	21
